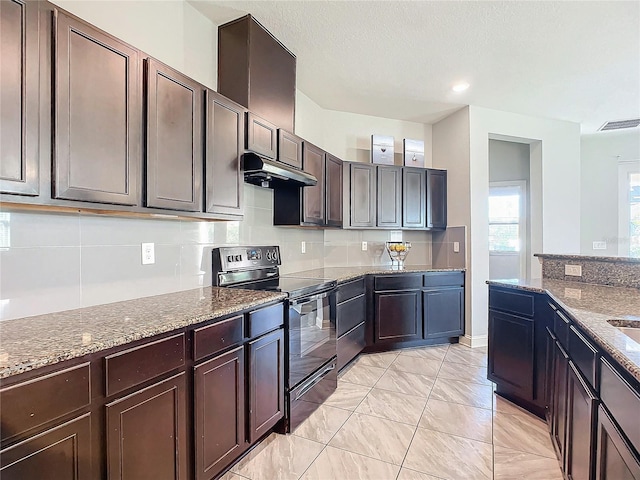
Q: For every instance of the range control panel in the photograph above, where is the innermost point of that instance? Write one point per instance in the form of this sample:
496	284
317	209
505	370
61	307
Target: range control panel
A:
227	259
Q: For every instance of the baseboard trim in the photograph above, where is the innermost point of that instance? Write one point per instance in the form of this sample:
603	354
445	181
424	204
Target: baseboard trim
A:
475	342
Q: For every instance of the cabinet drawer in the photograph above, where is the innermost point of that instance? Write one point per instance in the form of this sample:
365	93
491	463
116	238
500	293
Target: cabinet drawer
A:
449	279
397	282
213	338
264	320
622	401
38	401
350	314
350	345
137	365
561	328
584	355
350	289
511	301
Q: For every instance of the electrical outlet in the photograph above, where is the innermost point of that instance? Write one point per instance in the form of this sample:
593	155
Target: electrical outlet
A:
364	246
148	254
573	270
303	247
456	247
599	245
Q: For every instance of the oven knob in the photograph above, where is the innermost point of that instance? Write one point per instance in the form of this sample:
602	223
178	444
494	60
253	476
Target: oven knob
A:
229	258
238	258
268	255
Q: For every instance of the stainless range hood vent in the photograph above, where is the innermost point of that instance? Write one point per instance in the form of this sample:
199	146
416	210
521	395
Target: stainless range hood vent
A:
265	172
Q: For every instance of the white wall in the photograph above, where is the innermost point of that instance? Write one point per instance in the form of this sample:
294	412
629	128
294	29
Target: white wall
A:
508	161
600	154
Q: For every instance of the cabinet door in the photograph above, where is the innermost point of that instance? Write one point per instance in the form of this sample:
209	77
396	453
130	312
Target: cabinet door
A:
398	316
389	196
436	199
147	433
289	148
362	195
333	191
225	132
443	312
414	197
62	452
550	342
266	383
615	458
19	96
97	115
581	411
313	197
559	400
174	139
511	358
262	136
219	412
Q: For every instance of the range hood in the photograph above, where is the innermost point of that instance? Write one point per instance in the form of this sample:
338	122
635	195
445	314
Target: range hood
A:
265	172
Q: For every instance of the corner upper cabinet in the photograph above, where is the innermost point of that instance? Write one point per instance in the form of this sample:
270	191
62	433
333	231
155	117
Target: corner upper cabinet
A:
436	199
97	148
360	190
224	183
313	198
389	196
174	139
19	91
414	197
333	191
289	148
262	136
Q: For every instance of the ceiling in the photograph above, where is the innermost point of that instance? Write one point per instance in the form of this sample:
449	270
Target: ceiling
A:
570	60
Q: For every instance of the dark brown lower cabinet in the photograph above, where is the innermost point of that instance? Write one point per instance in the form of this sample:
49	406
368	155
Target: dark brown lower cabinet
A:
266	383
398	316
581	412
559	400
219	412
61	453
443	312
615	459
147	433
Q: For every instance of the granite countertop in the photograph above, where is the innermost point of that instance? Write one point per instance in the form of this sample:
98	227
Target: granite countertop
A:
33	342
590	258
590	306
344	274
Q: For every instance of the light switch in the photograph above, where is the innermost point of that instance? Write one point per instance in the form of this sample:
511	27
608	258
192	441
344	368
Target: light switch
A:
148	254
456	247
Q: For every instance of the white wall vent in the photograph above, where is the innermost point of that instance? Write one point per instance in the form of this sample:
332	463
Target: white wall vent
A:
618	124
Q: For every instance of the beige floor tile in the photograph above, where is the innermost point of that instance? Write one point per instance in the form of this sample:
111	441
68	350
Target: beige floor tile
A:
525	434
449	456
285	457
464	373
232	476
322	424
334	463
466	355
514	465
374	437
347	396
380	360
405	382
501	405
456	419
437	352
464	393
406	474
421	366
362	375
398	407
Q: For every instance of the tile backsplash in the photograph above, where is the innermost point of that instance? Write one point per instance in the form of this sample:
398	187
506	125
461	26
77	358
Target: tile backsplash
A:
53	261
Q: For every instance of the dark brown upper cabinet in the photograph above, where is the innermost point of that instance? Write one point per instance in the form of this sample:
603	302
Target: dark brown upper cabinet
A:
360	189
19	92
389	196
414	197
257	71
224	146
313	198
262	136
174	139
97	148
333	191
289	148
436	199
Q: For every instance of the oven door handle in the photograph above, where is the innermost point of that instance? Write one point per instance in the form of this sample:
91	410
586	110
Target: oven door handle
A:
316	296
315	381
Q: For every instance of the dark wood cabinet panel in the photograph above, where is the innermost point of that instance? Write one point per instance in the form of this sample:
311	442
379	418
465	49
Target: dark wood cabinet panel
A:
436	199
97	115
266	383
218	336
19	97
350	345
174	139
289	148
559	400
361	189
398	316
581	411
146	433
333	191
414	197
389	196
313	198
62	452
615	458
511	352
224	182
219	412
443	312
262	136
350	313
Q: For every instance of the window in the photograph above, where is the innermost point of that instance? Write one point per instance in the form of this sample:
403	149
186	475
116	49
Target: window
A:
634	215
505	233
629	209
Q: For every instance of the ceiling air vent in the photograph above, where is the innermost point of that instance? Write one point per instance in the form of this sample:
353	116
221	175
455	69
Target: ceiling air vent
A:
617	125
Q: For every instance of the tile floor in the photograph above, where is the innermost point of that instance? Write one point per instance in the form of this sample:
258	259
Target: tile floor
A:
416	414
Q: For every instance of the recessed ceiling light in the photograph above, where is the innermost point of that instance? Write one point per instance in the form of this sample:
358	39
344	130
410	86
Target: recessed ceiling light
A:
460	87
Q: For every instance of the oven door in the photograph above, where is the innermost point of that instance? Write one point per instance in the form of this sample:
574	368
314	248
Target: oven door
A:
312	335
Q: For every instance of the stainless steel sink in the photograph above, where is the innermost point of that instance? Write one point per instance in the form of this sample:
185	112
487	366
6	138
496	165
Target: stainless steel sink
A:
631	328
